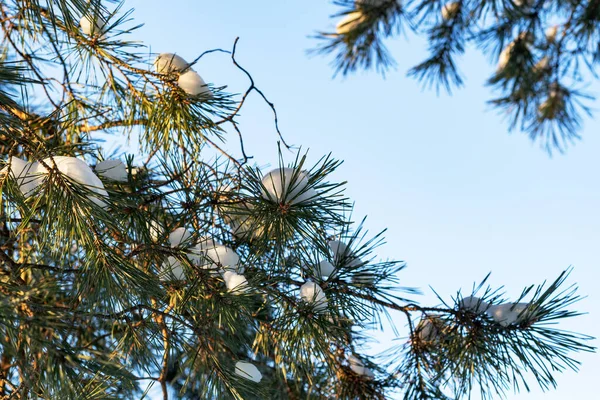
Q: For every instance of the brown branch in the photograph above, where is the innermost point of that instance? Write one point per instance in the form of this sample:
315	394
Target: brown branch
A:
160	320
205	53
49	268
112	124
248	91
15	112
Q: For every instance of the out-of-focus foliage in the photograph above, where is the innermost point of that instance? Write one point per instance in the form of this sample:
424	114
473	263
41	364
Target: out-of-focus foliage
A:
546	53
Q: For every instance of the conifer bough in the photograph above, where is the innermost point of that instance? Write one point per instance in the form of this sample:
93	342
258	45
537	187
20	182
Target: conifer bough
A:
202	276
517	34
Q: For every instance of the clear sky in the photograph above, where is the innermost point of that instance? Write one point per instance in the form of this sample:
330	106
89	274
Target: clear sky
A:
459	195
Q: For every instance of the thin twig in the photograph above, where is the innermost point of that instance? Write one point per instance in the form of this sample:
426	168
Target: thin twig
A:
250	89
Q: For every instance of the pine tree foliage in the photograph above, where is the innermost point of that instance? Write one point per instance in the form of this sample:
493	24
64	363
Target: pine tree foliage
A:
547	53
206	276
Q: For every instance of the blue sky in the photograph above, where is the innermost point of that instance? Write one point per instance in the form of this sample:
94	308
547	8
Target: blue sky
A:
459	195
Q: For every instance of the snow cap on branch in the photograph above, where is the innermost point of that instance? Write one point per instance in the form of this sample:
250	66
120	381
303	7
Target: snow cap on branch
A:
343	254
248	371
509	313
473	304
178	236
358	367
349	22
235	282
507	52
198	254
312	293
449	10
91	26
30	175
192	83
287	184
324	269
223	257
26	174
172	270
204	243
551	33
80	172
427	330
166	63
504	57
112	169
